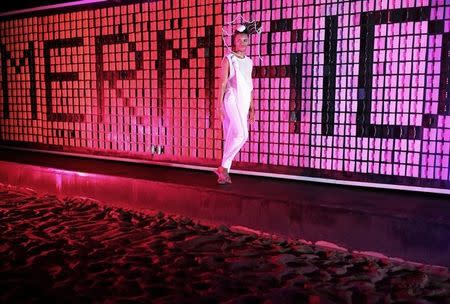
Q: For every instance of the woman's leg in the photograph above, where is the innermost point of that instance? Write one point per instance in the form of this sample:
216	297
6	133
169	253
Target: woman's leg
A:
221	172
235	132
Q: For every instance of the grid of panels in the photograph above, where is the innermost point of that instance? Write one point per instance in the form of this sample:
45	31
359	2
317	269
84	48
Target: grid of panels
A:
345	89
367	94
130	79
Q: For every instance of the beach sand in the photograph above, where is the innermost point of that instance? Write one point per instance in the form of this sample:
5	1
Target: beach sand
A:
77	250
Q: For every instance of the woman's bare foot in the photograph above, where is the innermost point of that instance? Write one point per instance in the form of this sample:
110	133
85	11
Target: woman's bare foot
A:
222	175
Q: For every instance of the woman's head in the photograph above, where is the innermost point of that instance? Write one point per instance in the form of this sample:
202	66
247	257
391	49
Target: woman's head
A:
240	41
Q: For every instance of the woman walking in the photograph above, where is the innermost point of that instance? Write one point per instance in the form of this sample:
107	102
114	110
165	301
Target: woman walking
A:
235	100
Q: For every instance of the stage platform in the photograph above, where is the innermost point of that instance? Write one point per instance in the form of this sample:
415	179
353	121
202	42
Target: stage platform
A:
412	226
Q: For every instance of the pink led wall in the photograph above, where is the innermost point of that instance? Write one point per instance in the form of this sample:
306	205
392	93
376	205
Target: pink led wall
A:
350	90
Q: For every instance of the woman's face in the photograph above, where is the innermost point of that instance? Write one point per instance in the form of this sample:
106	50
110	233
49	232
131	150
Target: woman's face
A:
241	42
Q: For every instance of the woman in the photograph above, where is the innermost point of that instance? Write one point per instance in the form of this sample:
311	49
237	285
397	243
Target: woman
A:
235	101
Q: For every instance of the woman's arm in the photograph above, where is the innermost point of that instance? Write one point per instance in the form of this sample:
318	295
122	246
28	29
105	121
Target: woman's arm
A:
222	86
251	113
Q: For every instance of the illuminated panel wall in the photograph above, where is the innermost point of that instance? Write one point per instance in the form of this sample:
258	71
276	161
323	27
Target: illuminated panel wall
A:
350	90
136	79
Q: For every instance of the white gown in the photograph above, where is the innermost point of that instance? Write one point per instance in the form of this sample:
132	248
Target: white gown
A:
236	103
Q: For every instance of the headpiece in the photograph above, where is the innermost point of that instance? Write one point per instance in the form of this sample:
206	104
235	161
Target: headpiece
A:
243	26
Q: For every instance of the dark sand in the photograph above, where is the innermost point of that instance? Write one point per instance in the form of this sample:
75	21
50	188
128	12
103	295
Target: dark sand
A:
75	250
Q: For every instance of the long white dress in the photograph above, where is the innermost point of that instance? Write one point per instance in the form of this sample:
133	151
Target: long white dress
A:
236	103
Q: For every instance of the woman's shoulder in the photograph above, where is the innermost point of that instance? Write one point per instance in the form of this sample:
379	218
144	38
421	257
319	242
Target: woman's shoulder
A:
228	58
